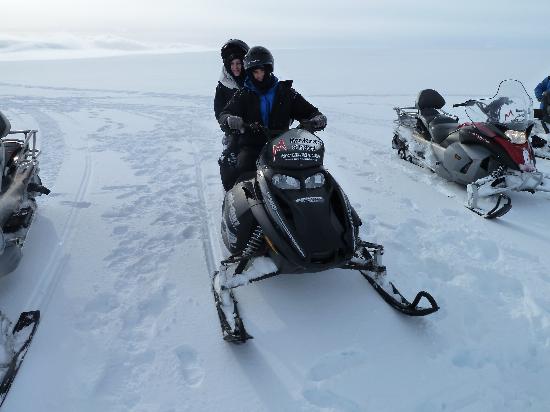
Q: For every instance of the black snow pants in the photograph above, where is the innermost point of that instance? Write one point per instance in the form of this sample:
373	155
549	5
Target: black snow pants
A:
236	161
228	163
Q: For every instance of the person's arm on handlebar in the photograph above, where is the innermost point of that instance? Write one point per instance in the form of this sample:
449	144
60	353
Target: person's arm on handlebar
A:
231	118
306	113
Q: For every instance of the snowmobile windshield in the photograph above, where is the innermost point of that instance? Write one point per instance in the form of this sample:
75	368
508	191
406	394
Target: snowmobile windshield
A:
511	107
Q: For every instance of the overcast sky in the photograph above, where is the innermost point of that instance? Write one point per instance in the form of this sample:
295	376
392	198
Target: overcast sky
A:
290	23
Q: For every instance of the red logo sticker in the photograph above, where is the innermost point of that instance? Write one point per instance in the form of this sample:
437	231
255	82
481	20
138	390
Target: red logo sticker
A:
279	147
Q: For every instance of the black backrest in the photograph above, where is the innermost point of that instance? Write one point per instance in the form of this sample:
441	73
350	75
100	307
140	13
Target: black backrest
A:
429	99
5	125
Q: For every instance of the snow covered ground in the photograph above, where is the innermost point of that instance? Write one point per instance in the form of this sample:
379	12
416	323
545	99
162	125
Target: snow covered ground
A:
119	256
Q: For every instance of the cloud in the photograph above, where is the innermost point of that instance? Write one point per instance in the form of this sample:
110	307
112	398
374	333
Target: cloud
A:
65	45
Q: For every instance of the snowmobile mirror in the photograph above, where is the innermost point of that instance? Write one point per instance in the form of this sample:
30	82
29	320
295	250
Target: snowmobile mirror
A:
466	103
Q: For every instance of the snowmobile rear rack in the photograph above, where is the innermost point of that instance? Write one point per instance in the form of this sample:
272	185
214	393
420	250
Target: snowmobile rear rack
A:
26	141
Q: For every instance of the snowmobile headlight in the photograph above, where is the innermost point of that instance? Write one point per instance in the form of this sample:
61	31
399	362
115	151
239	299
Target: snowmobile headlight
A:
315	181
516	137
285	182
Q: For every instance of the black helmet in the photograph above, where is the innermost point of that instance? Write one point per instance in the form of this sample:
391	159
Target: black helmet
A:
234	48
258	56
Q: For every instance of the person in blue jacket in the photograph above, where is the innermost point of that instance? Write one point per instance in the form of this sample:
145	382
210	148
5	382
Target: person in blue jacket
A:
266	101
542	93
542	87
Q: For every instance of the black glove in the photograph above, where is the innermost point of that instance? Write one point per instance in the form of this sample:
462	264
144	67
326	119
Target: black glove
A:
318	122
235	123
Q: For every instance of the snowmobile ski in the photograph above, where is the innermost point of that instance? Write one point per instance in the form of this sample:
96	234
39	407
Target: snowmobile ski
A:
402	304
236	333
369	266
502	206
27	323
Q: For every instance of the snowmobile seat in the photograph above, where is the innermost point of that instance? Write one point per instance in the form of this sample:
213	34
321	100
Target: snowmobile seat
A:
441	127
427	115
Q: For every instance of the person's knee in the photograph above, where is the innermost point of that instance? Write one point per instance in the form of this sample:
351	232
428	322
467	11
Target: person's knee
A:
246	160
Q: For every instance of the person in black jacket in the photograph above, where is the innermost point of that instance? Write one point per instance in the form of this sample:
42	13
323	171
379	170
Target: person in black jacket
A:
266	101
231	79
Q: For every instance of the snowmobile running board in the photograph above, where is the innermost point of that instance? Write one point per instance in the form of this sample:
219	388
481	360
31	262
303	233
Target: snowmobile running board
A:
26	320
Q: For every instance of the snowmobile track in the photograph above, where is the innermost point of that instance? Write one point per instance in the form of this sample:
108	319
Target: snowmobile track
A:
51	276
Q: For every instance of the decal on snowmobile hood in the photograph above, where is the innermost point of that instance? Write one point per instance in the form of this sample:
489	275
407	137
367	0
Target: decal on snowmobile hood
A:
297	149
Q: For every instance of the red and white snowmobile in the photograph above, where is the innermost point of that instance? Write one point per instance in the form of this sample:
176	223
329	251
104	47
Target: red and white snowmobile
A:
490	153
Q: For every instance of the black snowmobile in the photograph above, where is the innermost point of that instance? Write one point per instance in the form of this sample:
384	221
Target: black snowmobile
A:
541	133
290	216
19	186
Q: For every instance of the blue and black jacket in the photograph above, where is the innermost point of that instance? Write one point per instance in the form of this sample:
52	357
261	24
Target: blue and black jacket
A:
541	88
276	109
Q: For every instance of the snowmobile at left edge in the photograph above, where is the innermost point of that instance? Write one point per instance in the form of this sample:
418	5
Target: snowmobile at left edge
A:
19	187
540	139
290	216
490	154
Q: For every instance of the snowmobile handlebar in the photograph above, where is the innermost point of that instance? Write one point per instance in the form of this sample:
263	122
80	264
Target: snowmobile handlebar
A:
465	104
271	133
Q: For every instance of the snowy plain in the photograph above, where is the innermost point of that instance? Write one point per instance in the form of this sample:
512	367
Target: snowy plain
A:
119	256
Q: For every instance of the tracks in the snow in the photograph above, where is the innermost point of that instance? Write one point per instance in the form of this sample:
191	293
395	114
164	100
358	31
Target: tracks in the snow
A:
53	269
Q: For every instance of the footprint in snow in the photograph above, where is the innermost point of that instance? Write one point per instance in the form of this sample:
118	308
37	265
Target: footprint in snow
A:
336	363
76	205
326	399
449	212
120	230
189	366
